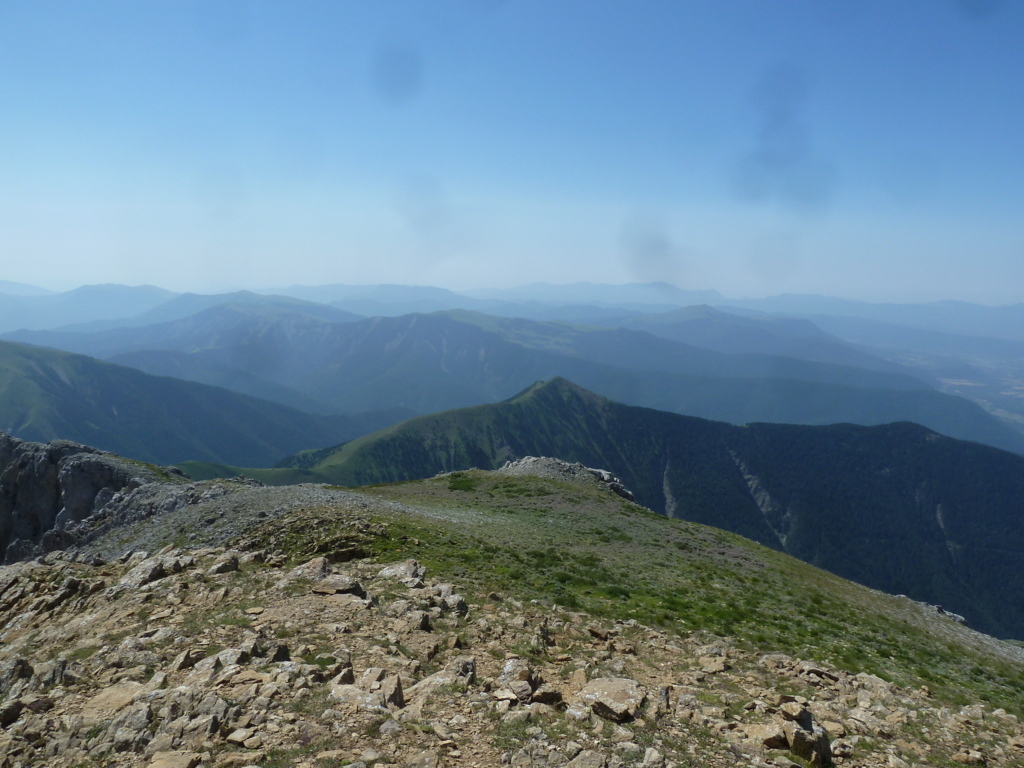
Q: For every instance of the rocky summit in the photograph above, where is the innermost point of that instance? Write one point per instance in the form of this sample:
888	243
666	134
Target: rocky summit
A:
322	627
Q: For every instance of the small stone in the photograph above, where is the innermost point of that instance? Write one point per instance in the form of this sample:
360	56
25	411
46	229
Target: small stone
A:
226	563
410	573
588	759
338	584
713	664
770	735
314	570
174	760
239	736
425	759
516	716
391	692
547	695
522	690
621	735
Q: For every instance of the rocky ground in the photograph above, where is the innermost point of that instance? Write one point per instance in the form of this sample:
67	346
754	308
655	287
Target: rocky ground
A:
214	657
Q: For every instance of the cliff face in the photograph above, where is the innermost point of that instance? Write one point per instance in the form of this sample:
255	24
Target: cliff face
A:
44	488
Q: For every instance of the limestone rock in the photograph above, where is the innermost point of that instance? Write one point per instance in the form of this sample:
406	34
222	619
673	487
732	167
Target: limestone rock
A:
588	759
613	698
355	697
145	572
225	563
770	735
336	584
409	572
811	743
391	692
314	570
111	700
46	489
426	759
175	760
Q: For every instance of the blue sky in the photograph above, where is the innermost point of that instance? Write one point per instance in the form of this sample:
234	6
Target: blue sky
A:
862	149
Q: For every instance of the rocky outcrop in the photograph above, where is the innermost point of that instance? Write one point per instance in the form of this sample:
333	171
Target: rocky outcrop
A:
543	466
166	660
45	490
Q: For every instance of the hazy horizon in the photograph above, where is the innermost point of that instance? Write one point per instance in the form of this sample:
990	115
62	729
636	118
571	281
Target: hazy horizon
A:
867	151
11	288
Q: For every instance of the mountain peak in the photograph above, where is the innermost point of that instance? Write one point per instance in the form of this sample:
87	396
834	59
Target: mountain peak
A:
561	387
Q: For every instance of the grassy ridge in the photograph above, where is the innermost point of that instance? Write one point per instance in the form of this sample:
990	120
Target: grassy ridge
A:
583	548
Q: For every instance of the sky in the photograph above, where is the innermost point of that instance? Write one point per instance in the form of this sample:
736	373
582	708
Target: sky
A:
867	149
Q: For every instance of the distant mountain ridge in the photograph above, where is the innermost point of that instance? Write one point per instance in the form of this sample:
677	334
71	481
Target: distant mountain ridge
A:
957	317
300	357
709	328
46	395
90	302
896	507
7	288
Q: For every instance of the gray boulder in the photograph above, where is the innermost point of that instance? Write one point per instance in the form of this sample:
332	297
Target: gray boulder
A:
614	698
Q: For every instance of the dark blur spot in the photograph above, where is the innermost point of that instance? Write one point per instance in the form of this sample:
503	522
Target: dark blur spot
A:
441	229
396	74
774	257
221	191
979	9
649	252
783	166
422	204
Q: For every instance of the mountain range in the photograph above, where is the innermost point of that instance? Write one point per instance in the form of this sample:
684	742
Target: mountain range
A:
981	358
322	360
